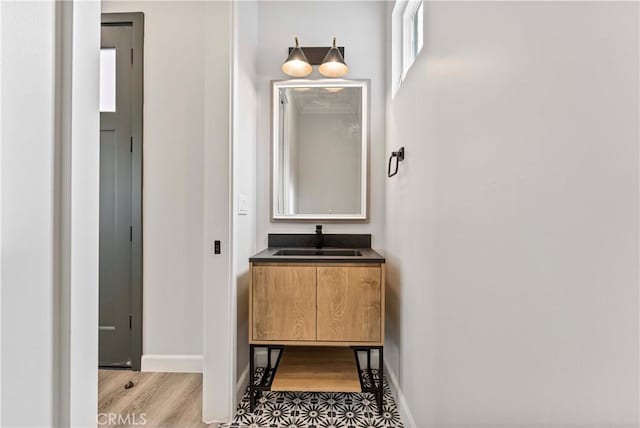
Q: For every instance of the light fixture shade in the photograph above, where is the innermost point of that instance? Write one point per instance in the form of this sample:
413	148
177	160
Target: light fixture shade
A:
297	64
333	64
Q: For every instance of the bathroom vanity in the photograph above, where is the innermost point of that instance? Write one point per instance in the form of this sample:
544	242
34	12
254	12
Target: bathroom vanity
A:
315	310
316	301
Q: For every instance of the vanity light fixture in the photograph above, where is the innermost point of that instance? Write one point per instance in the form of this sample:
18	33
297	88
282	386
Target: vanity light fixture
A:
333	64
297	64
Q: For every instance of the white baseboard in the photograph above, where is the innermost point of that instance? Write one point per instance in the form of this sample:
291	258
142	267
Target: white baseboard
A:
242	383
403	407
172	363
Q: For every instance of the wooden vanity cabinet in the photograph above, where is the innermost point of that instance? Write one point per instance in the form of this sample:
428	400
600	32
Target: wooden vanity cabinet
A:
284	302
349	303
317	304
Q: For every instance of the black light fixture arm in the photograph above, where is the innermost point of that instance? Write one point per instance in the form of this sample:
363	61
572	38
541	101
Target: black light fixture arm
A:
315	54
399	155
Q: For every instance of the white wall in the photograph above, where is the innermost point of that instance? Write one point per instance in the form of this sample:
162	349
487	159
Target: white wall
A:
245	121
28	89
219	312
50	158
173	223
1	117
512	227
361	28
83	219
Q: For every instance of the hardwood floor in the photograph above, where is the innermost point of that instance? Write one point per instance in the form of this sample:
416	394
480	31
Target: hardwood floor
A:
168	400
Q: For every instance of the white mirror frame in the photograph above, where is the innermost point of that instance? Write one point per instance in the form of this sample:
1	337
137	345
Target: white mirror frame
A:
276	85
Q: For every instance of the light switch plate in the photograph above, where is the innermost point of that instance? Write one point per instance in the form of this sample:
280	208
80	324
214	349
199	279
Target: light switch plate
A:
243	204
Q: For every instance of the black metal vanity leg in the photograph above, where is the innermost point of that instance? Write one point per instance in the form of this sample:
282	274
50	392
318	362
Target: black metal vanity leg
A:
370	371
252	399
381	378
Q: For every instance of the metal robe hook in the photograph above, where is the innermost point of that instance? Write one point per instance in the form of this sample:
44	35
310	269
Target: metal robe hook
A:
399	155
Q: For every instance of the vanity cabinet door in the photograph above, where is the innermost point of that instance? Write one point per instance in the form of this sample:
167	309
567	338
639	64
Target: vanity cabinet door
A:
349	303
284	303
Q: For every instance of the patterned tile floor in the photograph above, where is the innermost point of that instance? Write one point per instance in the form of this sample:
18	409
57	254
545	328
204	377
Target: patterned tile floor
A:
317	410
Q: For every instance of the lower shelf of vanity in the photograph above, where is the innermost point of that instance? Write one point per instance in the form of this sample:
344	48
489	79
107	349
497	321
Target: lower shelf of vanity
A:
317	369
305	369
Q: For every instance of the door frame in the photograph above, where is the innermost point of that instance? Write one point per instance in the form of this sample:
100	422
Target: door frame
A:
136	21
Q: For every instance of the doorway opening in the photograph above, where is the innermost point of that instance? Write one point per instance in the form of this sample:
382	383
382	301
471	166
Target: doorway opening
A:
120	266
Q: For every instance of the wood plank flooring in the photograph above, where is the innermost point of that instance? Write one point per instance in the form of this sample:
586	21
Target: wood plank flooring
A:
167	400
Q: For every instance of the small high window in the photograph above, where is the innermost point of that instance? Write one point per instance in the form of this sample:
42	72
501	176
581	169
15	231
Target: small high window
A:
407	38
416	31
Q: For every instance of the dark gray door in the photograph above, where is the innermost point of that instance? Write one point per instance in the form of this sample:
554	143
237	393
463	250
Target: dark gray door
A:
116	201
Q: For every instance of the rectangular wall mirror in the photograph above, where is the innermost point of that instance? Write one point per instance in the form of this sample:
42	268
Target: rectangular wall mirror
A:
319	150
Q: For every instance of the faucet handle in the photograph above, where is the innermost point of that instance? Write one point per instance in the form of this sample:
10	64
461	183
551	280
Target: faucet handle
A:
318	228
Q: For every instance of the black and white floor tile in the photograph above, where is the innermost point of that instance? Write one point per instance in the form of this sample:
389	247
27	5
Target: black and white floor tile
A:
317	410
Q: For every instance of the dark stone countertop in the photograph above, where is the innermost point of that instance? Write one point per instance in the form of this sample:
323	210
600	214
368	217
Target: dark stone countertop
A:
267	256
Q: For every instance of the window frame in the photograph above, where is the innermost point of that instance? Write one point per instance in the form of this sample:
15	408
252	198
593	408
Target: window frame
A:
407	41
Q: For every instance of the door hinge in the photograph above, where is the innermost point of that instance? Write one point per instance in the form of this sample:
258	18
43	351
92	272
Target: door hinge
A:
131	56
130	321
131	144
130	233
